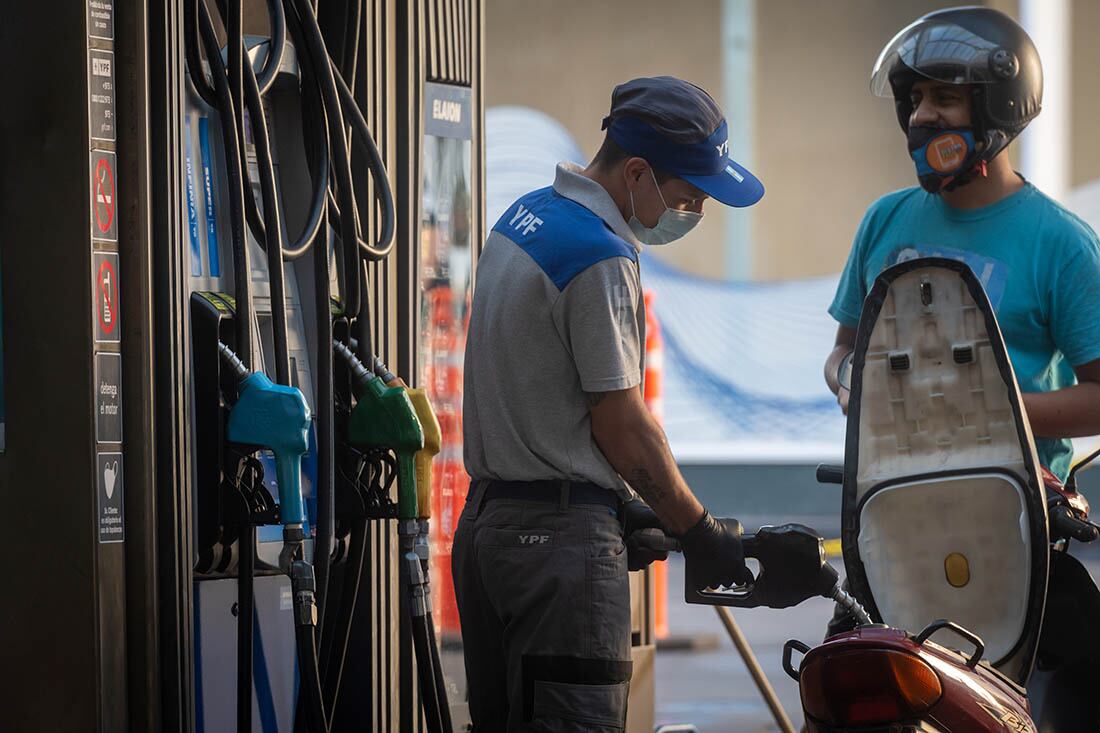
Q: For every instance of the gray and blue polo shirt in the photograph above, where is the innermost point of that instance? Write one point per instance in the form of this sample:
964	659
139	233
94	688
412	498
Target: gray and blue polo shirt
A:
557	312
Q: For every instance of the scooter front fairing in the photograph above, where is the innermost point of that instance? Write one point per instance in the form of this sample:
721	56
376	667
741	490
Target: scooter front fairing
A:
944	514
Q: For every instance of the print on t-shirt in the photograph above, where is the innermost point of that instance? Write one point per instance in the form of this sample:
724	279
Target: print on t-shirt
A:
992	273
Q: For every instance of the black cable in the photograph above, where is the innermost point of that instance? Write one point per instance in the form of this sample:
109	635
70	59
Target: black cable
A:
326	441
310	683
384	245
270	70
350	49
432	716
274	59
318	171
199	81
273	217
363	325
242	269
341	633
437	673
314	45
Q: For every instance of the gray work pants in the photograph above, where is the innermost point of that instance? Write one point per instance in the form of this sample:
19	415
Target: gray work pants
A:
544	603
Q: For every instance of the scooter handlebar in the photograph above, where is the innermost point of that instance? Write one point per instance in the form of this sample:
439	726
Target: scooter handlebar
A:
1064	525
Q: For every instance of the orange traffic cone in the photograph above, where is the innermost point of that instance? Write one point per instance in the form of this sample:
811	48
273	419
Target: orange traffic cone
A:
653	394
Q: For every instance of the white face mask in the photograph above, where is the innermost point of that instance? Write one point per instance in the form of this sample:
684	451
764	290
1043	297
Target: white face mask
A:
672	224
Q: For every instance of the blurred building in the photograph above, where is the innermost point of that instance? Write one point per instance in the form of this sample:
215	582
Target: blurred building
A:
792	76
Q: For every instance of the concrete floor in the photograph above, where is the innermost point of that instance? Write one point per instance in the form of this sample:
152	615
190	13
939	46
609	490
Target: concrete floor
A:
713	689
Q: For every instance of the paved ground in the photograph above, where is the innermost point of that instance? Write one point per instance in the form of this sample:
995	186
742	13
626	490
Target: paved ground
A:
713	690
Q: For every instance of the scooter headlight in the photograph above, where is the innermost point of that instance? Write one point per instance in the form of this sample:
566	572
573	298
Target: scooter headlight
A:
867	687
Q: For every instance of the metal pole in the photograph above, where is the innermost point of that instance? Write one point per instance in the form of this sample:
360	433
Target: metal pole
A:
753	666
1044	146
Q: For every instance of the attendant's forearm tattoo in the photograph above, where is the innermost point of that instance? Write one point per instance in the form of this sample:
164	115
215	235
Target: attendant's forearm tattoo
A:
653	492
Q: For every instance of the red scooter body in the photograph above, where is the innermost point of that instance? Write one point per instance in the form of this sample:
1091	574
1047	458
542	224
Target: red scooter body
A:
851	682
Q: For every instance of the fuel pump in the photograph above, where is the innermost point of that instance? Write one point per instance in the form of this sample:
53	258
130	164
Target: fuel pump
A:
235	89
212	173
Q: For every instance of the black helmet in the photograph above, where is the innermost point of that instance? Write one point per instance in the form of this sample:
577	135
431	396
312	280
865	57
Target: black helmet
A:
971	45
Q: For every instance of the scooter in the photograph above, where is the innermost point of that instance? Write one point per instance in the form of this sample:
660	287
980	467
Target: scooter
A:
949	523
874	678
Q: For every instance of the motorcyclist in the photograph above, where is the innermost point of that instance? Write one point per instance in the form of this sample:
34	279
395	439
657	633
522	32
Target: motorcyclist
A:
965	82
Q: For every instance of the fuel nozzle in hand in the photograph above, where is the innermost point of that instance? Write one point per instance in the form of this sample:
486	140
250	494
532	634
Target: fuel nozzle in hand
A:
793	568
275	417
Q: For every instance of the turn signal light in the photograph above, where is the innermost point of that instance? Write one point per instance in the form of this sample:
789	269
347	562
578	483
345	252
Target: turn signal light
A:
867	687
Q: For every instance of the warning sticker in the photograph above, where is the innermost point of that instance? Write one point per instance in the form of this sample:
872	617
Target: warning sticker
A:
101	19
108	397
105	294
110	491
101	94
104	196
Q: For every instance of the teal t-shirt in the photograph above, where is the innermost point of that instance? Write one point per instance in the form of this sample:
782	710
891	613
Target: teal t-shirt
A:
1039	264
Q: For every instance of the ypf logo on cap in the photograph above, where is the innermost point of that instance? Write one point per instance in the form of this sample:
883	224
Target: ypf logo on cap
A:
946	153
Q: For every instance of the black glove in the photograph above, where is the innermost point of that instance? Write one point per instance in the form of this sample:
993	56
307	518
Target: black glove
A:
636	515
712	551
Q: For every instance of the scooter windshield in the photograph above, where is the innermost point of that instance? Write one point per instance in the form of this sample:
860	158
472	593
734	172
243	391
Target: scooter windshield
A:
938	50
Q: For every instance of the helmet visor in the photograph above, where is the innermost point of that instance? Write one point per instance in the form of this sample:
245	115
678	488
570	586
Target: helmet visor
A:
936	49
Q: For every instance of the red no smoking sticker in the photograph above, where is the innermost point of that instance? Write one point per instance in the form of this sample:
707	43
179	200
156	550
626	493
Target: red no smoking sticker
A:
104	196
105	296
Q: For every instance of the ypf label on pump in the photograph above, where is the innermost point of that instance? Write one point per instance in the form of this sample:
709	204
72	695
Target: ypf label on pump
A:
101	94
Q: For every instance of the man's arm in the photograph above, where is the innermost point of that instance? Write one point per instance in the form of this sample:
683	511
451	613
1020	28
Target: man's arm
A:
845	342
1073	412
637	449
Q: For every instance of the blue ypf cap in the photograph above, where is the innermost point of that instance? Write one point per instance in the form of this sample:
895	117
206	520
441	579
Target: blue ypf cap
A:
678	128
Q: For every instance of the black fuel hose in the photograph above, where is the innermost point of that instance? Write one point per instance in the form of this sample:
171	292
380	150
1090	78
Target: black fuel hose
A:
243	332
315	46
326	436
318	162
304	587
350	50
437	674
422	649
362	134
270	69
273	217
334	645
242	281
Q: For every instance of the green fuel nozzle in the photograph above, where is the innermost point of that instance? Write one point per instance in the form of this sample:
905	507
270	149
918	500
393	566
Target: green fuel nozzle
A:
277	418
384	417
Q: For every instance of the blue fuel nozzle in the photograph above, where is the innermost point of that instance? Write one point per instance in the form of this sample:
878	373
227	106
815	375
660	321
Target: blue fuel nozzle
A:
275	417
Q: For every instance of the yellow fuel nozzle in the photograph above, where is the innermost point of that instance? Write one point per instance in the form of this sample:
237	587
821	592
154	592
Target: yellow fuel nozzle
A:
433	440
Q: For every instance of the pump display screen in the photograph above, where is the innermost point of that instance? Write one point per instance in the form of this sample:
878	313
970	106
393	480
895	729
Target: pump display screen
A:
445	277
